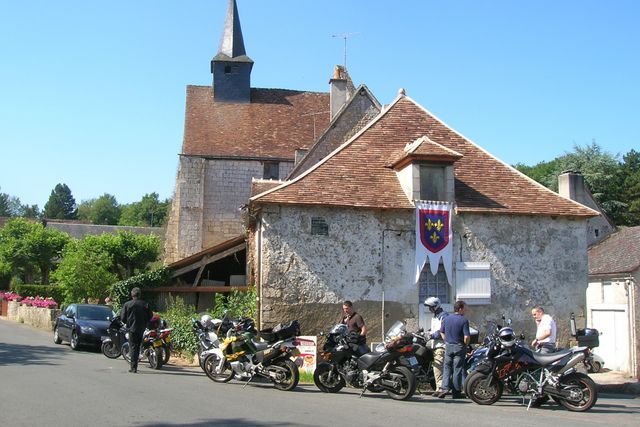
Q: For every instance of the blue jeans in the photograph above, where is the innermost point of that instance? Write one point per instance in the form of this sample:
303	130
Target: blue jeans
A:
454	355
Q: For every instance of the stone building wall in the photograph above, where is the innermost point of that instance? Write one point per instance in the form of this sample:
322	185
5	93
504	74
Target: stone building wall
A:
206	205
534	260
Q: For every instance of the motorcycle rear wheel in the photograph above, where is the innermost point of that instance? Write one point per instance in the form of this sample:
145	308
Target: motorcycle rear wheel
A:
126	351
583	390
406	383
328	380
209	366
155	357
110	349
481	393
290	381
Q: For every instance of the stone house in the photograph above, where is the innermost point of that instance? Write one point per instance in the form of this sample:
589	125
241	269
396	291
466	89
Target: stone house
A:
344	228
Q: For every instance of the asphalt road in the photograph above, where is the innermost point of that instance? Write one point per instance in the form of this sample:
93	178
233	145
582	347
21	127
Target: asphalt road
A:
46	384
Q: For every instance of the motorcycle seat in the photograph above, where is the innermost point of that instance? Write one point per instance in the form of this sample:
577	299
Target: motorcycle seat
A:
547	359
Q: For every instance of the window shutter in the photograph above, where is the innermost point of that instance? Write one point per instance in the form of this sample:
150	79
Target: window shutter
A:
473	282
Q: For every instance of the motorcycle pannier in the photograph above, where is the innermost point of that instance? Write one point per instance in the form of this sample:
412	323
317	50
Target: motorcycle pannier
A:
287	330
588	337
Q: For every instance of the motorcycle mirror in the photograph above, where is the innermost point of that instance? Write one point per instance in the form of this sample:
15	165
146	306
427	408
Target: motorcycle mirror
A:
509	321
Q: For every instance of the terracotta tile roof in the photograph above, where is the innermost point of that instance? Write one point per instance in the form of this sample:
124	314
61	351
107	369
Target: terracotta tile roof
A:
261	185
618	253
357	173
273	125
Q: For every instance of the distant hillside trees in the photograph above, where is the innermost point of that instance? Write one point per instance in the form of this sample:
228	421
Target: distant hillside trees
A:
150	211
614	184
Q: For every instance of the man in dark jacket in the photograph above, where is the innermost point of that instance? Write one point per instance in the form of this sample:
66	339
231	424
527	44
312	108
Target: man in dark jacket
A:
135	314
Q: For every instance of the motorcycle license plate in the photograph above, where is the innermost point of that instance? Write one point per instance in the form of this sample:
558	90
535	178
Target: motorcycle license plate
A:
157	343
168	339
413	361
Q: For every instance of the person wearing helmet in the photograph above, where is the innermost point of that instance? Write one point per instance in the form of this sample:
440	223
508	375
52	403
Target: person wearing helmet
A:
507	337
455	329
545	341
206	321
437	343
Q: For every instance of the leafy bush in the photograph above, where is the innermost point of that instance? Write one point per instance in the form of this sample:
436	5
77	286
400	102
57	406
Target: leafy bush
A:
178	316
121	291
53	291
236	304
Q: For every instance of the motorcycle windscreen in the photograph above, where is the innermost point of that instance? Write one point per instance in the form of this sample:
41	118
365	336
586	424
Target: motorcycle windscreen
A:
396	330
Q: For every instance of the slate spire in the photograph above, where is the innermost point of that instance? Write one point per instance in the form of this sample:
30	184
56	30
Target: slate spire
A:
231	67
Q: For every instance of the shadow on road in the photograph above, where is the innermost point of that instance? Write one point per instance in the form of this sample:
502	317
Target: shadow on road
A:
226	422
18	354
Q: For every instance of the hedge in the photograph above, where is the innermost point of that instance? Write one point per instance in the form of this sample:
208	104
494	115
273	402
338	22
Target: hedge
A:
121	291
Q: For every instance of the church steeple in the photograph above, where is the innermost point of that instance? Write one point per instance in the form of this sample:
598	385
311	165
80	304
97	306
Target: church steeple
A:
231	67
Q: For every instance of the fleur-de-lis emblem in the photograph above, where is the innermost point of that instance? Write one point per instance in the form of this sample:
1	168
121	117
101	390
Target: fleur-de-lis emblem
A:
434	238
437	225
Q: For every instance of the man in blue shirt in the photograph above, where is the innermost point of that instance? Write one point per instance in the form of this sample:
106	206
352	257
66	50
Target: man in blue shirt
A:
455	329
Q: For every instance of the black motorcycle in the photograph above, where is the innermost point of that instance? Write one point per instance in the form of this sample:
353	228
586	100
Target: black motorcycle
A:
116	337
510	365
375	371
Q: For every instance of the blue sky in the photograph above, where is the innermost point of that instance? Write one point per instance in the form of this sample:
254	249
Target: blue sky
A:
92	93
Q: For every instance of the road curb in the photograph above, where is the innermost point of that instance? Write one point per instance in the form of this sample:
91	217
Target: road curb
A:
624	388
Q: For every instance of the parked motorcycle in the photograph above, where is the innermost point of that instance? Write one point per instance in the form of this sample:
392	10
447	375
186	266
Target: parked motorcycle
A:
207	331
241	357
509	364
115	338
151	349
374	371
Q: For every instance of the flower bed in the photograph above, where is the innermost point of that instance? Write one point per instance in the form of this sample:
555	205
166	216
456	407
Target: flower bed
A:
36	301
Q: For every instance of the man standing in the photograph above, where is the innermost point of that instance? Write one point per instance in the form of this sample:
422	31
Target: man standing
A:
545	341
455	328
355	323
438	344
135	314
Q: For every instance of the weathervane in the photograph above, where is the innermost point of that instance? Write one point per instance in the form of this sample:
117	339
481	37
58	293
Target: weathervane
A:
344	36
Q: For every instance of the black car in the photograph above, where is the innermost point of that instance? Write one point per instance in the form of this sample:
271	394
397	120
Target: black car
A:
82	324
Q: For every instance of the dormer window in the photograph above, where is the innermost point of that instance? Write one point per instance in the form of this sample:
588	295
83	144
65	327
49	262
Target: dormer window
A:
432	182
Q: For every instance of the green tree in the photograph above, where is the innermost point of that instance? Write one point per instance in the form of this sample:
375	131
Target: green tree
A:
630	189
148	212
10	206
85	272
102	211
132	253
31	211
4	205
61	204
29	247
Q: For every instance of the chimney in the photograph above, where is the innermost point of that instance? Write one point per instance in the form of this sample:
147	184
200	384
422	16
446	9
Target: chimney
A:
339	90
571	186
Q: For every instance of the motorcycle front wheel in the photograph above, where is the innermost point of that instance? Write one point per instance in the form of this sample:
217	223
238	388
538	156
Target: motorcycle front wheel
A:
210	367
111	350
166	354
482	393
404	383
287	380
582	390
327	379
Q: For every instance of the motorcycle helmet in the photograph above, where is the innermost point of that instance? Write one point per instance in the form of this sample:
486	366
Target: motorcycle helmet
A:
432	302
206	321
507	337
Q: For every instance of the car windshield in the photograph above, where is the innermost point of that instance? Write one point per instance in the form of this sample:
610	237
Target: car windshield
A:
94	313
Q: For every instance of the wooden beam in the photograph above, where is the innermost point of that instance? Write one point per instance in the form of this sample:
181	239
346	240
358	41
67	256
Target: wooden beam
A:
220	289
208	260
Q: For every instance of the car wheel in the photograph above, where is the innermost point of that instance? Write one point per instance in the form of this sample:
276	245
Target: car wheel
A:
56	336
74	340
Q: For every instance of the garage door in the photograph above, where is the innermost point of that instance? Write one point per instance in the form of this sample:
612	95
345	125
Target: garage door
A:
614	337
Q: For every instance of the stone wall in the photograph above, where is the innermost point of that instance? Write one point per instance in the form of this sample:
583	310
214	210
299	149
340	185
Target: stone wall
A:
41	318
534	260
206	205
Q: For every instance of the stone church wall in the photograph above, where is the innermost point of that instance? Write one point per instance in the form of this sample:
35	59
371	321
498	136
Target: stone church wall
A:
207	200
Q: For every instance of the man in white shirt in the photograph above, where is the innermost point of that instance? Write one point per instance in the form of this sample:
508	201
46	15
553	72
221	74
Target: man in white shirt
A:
437	343
545	341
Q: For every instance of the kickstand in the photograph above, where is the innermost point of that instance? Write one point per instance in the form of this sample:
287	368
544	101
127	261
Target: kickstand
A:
530	401
245	384
363	390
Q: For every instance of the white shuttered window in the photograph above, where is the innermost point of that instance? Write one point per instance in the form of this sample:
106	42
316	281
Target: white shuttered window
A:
473	282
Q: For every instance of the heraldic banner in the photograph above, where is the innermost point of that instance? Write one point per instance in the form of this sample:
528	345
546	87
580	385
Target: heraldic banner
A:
434	237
